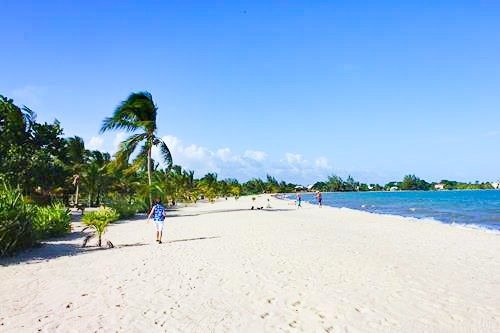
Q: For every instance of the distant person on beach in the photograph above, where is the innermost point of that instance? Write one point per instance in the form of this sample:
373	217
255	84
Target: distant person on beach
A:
158	212
319	198
299	200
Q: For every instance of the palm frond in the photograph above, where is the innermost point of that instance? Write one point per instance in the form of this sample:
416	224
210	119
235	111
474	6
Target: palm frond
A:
115	122
165	152
128	146
137	111
29	116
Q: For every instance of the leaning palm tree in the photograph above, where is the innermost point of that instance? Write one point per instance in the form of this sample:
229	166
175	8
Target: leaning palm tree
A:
138	113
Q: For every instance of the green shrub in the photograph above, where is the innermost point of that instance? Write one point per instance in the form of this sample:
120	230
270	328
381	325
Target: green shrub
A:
124	208
51	221
99	220
16	221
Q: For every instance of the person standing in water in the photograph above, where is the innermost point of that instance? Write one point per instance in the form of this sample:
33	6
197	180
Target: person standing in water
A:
319	198
158	212
299	200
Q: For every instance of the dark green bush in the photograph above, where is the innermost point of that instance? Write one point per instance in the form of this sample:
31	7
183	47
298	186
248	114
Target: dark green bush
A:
16	221
124	208
51	221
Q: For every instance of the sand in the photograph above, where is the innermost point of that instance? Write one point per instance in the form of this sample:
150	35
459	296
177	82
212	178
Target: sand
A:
224	268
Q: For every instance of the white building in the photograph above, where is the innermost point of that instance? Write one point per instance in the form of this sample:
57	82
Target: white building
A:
496	184
439	187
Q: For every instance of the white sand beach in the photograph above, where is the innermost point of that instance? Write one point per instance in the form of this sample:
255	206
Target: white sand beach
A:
224	268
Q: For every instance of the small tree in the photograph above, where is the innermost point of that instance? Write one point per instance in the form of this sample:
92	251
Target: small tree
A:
99	221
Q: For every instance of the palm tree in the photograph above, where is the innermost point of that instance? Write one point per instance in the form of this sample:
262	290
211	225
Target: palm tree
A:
209	186
77	158
138	112
96	175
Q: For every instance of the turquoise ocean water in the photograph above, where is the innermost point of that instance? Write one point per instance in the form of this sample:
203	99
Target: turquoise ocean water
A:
475	208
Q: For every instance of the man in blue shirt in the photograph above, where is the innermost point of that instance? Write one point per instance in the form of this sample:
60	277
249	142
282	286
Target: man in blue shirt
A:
158	212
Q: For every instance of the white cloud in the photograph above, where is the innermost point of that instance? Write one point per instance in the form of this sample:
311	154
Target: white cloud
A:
95	143
255	155
224	154
294	159
172	142
322	163
251	163
196	152
248	164
119	137
156	155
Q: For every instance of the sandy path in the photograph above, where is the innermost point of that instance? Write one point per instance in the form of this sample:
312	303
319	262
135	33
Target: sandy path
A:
225	268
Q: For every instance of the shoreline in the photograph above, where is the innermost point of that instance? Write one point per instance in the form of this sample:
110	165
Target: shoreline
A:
472	226
224	267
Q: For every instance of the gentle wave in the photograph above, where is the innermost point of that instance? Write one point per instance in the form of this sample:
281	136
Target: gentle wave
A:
478	209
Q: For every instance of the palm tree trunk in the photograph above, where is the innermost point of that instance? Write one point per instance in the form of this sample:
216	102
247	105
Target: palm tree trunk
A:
76	194
149	177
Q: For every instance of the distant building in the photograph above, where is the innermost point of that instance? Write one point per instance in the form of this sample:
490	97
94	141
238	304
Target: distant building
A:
439	186
394	188
496	185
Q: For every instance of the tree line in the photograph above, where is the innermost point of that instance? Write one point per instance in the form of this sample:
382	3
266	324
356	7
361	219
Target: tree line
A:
47	166
42	172
39	160
409	183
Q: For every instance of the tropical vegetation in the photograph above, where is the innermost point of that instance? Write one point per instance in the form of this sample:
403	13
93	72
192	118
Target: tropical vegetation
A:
23	224
98	221
43	172
16	221
138	113
51	221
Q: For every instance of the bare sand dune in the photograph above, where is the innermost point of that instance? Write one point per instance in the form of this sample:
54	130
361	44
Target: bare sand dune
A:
224	268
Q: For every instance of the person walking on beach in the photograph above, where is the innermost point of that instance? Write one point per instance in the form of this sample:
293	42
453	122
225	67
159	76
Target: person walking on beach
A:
299	200
319	198
158	212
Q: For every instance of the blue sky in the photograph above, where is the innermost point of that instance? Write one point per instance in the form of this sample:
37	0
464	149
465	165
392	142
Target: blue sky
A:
299	90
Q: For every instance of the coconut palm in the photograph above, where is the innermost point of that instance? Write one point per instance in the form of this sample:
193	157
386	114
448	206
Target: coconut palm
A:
209	186
95	175
77	158
175	184
138	113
